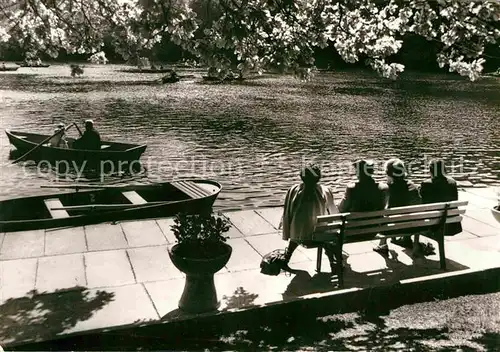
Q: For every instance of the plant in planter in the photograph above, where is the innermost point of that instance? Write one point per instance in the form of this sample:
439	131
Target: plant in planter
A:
200	252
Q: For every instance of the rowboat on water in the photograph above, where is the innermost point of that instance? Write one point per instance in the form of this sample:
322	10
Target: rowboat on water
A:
108	203
24	64
110	151
8	69
147	70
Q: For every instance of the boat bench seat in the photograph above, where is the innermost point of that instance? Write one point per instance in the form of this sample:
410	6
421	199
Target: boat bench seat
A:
134	197
55	203
191	189
105	146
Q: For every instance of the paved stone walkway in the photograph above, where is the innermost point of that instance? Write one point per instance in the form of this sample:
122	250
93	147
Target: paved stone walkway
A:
60	281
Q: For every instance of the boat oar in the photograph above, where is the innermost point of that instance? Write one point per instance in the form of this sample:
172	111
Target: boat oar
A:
78	128
22	157
77	187
111	206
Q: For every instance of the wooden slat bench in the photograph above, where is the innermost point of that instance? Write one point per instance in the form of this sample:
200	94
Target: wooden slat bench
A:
55	203
191	189
394	222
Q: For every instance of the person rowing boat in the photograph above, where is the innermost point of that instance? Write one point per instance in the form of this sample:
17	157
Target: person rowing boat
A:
90	139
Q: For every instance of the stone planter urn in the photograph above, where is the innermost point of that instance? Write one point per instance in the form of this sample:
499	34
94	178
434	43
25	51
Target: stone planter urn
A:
200	252
199	293
496	212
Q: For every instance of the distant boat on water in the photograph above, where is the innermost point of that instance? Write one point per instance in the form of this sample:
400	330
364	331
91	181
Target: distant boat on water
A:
33	65
110	151
146	70
3	69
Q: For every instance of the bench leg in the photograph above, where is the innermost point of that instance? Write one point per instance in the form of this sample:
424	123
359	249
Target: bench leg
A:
318	259
340	267
442	258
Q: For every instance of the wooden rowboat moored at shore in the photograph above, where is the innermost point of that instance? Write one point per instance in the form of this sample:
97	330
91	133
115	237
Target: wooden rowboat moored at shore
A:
110	151
99	204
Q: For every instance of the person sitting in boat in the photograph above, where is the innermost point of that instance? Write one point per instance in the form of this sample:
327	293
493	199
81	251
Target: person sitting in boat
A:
303	203
90	140
3	65
59	140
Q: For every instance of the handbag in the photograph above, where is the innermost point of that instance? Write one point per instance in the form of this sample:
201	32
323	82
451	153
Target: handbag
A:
273	262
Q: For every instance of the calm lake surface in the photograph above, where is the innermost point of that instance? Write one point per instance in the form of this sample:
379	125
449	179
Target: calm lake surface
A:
253	137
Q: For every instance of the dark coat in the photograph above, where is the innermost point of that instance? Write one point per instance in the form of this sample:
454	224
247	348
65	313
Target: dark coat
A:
364	195
403	193
441	189
90	140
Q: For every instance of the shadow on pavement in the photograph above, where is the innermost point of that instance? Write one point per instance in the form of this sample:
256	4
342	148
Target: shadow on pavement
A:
38	315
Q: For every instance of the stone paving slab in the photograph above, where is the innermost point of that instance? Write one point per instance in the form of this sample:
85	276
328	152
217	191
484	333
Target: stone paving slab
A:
128	305
471	254
244	256
47	316
488	193
17	277
490	243
233	232
60	272
272	215
108	268
152	264
476	200
143	233
65	241
464	235
250	223
484	216
165	295
104	237
24	244
479	228
250	288
164	225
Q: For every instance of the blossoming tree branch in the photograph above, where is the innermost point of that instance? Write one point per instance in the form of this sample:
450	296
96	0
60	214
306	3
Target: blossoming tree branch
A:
259	34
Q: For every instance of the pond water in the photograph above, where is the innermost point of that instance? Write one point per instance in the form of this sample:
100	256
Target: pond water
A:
253	137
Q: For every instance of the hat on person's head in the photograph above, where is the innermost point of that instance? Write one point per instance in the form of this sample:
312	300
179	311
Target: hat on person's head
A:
60	125
90	122
437	167
364	167
310	174
395	168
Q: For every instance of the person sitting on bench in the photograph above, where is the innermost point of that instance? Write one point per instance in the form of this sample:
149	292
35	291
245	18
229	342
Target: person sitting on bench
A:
303	204
440	188
402	192
366	194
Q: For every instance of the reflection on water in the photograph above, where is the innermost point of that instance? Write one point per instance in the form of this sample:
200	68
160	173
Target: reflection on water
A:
252	137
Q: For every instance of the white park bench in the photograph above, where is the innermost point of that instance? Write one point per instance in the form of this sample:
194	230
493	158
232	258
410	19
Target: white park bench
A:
393	222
